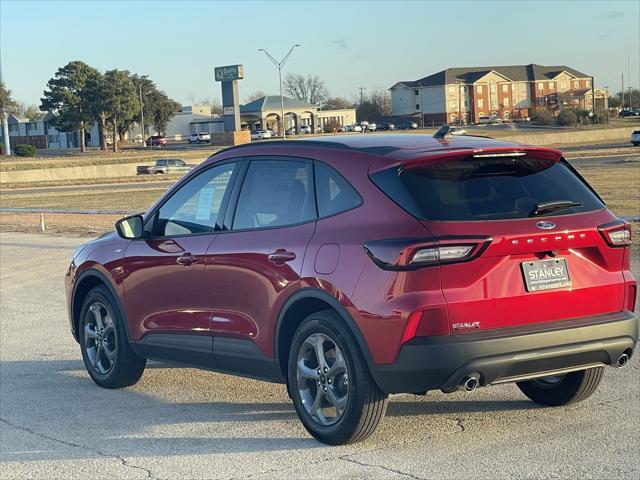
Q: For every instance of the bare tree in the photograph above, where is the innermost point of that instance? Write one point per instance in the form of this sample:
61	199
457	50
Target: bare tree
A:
307	88
254	96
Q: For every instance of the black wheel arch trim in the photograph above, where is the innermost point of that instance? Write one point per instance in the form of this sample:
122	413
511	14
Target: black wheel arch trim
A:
92	272
315	293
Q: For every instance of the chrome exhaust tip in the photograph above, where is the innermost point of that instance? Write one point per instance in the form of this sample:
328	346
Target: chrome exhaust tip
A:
622	361
471	383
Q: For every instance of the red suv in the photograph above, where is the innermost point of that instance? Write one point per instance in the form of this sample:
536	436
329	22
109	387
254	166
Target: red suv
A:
351	268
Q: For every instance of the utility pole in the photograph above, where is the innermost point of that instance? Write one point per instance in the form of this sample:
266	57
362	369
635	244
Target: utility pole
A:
279	65
144	143
622	91
5	123
629	88
362	89
593	96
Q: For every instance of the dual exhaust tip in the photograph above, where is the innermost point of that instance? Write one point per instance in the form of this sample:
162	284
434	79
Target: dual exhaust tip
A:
471	382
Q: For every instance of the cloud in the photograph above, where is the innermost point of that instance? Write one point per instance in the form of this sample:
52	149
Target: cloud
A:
616	14
340	43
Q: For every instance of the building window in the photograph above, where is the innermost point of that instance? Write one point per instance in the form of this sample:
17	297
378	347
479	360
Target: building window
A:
13	127
32	126
54	138
479	89
540	86
452	89
452	105
505	87
506	102
480	103
493	87
417	106
588	83
576	84
417	92
551	86
563	85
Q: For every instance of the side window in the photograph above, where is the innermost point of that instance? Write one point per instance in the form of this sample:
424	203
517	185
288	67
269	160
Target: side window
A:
333	192
195	206
275	193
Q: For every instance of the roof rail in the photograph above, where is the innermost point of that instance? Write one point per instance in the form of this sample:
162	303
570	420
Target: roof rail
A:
288	143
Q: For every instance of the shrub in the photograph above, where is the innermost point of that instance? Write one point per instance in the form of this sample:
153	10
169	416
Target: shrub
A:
600	117
1	148
542	117
25	150
567	118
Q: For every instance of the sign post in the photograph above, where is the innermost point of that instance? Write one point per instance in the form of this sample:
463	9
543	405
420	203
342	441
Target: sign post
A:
229	76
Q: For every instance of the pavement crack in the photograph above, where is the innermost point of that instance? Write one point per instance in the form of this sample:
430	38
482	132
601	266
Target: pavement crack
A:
122	460
381	467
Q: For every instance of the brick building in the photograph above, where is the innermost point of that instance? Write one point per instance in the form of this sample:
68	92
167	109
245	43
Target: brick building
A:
507	92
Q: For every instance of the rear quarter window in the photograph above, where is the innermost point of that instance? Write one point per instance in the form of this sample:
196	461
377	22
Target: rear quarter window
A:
485	189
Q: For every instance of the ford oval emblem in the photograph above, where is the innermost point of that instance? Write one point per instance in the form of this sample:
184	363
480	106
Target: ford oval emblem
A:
546	225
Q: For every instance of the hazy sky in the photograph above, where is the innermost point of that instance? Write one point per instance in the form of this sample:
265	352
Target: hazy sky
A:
348	44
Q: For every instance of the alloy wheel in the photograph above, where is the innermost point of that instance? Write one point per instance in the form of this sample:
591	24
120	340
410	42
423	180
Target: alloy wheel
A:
100	338
322	379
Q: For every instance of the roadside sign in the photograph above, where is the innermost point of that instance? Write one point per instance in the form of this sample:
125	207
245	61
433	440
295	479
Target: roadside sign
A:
228	73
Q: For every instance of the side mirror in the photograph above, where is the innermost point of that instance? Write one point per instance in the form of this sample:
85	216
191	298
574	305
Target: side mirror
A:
130	227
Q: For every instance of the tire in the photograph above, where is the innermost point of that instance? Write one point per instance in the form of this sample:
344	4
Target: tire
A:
635	144
360	402
563	390
120	368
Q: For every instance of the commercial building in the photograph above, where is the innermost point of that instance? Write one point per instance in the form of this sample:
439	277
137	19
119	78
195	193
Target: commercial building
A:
507	92
265	113
41	134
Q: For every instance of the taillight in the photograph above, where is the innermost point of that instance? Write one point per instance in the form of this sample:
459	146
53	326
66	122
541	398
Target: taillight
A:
616	233
401	254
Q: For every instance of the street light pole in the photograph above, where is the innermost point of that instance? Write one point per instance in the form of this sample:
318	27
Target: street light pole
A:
279	65
5	122
144	143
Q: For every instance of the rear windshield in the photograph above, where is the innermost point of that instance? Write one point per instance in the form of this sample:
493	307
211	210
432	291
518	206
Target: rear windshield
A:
486	189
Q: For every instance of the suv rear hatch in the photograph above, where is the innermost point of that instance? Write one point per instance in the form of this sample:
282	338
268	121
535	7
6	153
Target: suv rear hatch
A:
527	240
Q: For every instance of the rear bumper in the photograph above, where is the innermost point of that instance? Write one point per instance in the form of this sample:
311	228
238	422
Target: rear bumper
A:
510	354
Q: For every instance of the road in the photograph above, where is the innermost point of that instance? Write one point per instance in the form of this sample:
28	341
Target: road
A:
184	423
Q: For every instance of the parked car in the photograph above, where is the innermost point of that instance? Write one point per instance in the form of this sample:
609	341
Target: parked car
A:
202	137
629	113
635	138
353	128
386	126
272	132
291	131
165	165
260	135
407	125
305	129
372	127
458	131
489	119
447	267
156	141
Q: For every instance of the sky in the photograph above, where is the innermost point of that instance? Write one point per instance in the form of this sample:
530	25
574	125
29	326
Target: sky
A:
348	44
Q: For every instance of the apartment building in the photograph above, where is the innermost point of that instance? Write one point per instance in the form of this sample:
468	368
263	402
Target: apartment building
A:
507	92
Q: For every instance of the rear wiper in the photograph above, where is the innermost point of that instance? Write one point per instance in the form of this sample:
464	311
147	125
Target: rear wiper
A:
547	207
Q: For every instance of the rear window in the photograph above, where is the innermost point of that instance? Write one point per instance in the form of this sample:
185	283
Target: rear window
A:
486	189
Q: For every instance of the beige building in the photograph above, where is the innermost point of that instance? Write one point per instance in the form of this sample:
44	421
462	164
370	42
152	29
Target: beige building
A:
265	113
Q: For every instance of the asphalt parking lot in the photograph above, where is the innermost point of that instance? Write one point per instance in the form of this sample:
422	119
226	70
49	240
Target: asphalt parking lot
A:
184	423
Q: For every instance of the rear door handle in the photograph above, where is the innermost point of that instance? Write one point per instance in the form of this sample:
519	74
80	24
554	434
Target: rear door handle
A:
281	256
187	259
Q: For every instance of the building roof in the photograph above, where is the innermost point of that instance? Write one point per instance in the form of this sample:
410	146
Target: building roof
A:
272	102
516	73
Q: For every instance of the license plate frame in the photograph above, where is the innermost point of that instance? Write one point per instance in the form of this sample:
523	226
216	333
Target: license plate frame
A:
548	274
